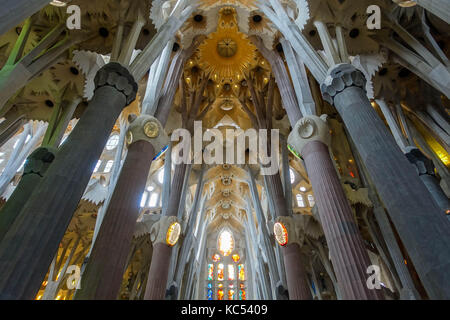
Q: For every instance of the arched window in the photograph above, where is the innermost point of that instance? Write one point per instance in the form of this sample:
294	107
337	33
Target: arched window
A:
153	200
292	175
113	141
161	176
144	199
226	242
300	201
97	166
108	166
311	200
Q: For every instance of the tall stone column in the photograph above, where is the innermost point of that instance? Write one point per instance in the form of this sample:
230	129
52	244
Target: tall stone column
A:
15	11
32	241
439	8
104	271
424	231
295	271
311	138
162	251
34	169
425	170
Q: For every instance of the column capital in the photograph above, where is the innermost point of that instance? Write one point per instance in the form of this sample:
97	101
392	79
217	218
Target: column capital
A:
307	129
339	78
147	128
422	164
115	75
166	231
39	161
287	231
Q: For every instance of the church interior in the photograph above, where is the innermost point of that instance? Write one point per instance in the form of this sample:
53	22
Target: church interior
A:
97	202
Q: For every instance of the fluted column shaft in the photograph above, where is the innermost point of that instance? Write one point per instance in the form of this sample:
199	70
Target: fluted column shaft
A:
348	254
104	272
15	11
35	167
422	227
159	268
439	8
32	241
295	271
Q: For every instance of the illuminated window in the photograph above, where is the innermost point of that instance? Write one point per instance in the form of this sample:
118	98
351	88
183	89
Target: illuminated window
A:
220	272
300	201
311	200
99	163
113	141
236	258
230	294
220	294
231	272
153	200
108	166
210	272
144	199
292	175
302	189
226	242
216	258
242	295
209	294
161	176
241	272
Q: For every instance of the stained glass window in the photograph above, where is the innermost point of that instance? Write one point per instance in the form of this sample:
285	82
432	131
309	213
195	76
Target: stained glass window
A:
230	294
209	294
300	201
226	242
231	272
241	272
216	257
291	175
210	285
220	294
220	272
311	200
236	257
242	294
210	272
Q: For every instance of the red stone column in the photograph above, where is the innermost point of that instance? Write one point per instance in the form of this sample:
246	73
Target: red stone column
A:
348	254
295	272
104	271
159	268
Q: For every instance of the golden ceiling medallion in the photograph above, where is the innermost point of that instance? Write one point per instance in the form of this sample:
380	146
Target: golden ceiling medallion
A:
227	52
227	47
151	129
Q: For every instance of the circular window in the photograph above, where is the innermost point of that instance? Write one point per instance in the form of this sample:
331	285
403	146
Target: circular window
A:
112	143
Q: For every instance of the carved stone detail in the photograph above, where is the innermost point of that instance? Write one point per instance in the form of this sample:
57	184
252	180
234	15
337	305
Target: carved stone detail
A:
147	128
115	75
39	161
158	232
422	164
307	129
339	78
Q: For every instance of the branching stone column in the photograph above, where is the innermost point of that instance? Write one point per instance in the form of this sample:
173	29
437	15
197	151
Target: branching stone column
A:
104	271
439	8
423	229
28	248
425	170
162	251
34	169
311	138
